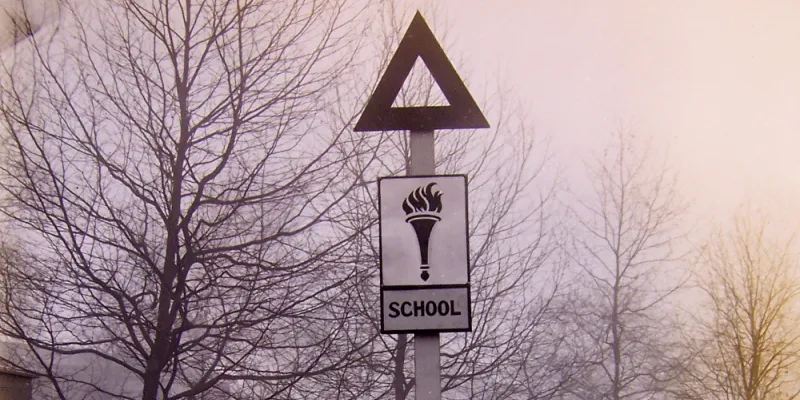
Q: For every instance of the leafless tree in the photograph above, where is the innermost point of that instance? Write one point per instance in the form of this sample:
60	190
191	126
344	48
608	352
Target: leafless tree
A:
626	246
747	344
173	174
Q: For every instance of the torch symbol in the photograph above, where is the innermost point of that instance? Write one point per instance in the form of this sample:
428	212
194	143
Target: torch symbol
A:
422	207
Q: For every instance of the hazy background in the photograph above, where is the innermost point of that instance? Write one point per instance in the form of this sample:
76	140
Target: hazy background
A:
716	83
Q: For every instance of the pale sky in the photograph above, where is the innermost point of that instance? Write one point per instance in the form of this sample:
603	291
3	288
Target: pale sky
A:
716	82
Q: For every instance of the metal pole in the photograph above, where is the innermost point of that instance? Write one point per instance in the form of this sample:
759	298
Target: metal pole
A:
428	384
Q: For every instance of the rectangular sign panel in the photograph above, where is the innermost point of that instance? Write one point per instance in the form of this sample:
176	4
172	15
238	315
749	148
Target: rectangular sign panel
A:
429	309
424	254
423	230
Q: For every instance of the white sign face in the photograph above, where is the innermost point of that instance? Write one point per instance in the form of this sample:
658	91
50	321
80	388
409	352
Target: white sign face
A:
423	230
431	309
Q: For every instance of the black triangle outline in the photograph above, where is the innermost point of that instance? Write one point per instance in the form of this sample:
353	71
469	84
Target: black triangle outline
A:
462	113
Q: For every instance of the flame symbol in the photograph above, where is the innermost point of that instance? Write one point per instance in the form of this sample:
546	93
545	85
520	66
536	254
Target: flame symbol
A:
423	200
421	206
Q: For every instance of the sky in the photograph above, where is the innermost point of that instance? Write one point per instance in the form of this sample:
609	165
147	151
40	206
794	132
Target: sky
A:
714	83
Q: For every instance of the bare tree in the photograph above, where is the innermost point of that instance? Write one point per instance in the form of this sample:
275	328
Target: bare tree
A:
747	345
625	244
178	187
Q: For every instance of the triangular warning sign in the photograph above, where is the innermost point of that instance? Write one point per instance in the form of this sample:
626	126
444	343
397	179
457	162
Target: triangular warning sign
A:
462	113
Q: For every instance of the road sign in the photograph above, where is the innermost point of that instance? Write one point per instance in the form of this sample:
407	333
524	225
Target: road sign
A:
425	306
419	42
424	253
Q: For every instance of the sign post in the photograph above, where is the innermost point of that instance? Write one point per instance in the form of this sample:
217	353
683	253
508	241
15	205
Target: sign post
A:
423	216
427	363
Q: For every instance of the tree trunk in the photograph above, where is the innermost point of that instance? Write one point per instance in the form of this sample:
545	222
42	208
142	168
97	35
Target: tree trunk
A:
399	364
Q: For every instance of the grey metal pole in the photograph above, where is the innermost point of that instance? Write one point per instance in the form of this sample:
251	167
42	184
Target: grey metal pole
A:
427	366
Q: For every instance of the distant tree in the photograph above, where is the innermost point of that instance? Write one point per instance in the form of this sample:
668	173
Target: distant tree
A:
626	245
747	343
176	182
